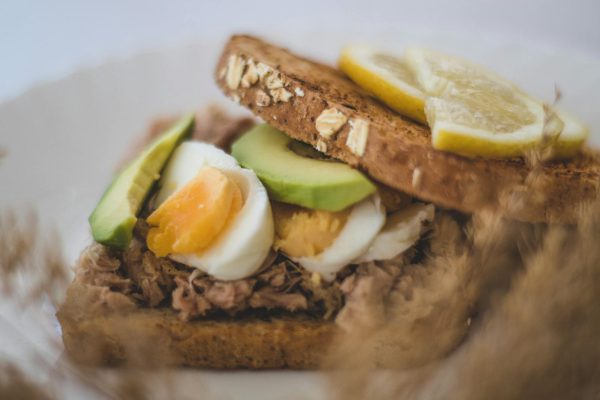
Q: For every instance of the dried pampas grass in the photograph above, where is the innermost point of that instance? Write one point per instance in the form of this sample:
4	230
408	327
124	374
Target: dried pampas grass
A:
14	384
506	311
530	295
32	275
29	262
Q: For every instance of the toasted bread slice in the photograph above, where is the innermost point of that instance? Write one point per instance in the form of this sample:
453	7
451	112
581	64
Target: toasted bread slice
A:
157	337
304	99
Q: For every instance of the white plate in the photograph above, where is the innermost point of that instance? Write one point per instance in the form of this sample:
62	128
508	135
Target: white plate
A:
64	139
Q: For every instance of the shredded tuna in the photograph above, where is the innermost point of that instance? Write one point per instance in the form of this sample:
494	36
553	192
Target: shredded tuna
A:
187	301
153	281
366	294
152	275
230	295
274	276
98	258
140	276
152	292
101	269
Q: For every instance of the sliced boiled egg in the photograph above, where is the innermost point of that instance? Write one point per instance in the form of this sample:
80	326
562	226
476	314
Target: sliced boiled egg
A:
211	214
401	231
362	224
185	163
302	231
326	242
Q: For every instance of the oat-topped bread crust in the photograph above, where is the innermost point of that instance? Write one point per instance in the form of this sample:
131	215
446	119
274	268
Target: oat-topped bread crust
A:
316	104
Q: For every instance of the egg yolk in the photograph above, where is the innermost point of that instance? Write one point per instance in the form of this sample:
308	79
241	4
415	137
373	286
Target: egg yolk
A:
301	232
194	216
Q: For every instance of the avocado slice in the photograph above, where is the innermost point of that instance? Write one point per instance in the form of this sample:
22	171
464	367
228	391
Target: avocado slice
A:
291	178
114	218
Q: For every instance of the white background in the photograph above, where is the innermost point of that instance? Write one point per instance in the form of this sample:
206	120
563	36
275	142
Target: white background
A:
46	39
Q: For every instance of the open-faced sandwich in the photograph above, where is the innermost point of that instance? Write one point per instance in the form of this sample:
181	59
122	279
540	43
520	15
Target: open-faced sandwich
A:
227	243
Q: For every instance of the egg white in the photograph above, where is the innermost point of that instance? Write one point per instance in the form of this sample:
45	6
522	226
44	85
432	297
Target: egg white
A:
239	251
364	223
401	231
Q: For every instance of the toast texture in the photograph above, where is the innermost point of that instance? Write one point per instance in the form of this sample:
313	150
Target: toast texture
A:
157	337
292	93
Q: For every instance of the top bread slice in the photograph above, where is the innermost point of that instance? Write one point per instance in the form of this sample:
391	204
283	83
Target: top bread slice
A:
316	104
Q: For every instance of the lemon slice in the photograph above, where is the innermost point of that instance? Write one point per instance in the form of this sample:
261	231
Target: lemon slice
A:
471	111
385	76
474	112
572	137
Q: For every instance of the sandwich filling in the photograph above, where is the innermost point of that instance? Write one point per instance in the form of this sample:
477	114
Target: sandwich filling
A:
245	219
212	241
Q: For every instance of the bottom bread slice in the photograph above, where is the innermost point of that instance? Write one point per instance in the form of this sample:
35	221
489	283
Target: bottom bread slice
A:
157	337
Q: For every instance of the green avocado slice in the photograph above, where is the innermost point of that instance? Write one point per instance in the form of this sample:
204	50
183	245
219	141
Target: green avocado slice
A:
114	218
291	178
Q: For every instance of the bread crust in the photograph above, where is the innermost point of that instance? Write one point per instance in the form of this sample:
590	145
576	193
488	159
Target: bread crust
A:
398	151
157	337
